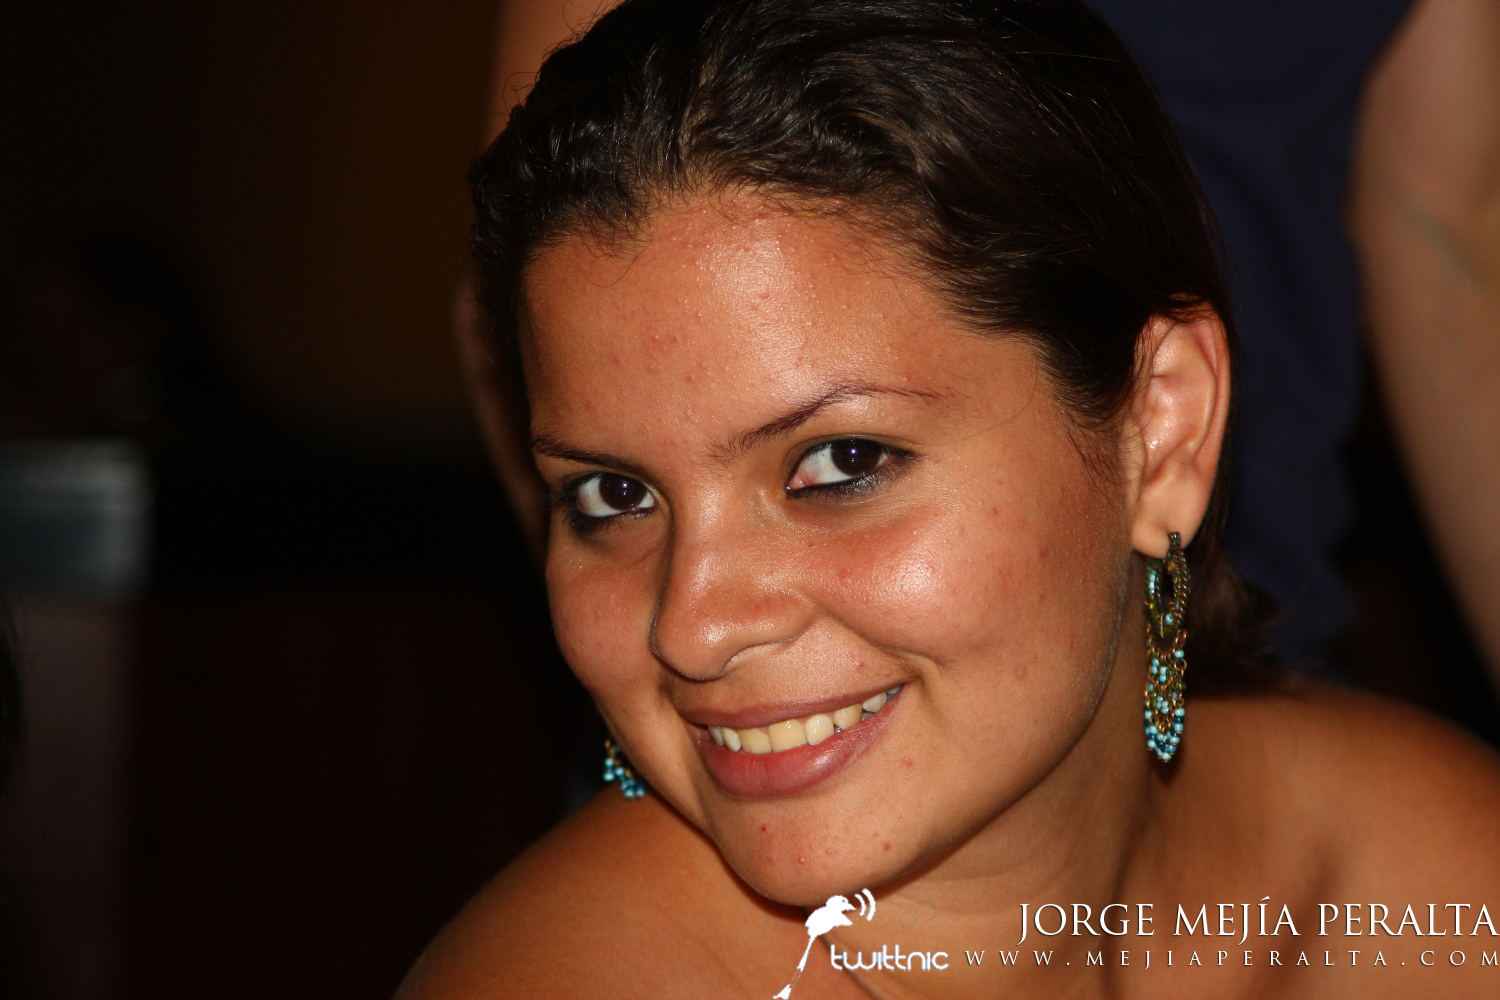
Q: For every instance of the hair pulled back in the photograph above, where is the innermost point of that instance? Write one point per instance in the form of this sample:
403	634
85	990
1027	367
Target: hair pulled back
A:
1010	148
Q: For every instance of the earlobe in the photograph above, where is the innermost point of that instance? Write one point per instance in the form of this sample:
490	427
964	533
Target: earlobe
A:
1180	413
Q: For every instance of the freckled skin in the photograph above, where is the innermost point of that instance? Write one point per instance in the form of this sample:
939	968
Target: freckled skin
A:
994	578
986	574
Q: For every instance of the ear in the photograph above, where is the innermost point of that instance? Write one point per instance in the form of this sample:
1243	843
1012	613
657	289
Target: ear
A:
1176	433
503	419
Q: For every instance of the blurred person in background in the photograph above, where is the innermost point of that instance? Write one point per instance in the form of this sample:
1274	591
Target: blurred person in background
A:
1350	152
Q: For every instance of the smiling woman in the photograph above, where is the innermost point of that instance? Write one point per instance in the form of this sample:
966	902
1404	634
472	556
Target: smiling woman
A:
876	364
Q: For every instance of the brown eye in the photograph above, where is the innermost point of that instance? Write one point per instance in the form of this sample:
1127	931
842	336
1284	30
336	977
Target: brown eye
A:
838	462
621	493
856	458
606	494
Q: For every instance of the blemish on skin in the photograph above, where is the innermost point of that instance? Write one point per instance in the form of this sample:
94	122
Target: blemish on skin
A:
886	846
763	828
909	762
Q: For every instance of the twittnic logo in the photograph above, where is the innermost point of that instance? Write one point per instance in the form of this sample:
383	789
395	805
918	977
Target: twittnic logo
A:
824	919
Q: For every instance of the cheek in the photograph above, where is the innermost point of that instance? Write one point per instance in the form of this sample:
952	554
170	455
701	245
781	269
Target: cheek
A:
1006	577
601	612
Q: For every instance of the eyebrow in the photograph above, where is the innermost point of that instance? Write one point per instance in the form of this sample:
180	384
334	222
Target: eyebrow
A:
545	444
792	419
739	444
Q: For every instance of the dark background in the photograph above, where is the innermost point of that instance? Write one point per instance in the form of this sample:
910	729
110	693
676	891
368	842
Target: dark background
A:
348	711
347	708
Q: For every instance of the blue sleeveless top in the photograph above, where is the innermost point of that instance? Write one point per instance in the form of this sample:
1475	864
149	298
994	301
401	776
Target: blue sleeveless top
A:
1263	95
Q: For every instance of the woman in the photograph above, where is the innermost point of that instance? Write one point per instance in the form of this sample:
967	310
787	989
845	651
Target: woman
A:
877	365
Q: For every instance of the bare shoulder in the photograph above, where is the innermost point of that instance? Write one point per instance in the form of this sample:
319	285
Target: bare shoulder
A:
621	899
1394	799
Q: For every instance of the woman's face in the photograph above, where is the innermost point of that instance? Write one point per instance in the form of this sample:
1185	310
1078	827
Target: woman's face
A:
790	481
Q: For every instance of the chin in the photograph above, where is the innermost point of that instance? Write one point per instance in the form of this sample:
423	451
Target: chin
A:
807	881
801	852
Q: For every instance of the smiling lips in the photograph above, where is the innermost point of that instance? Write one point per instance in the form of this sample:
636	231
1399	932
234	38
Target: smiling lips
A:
793	733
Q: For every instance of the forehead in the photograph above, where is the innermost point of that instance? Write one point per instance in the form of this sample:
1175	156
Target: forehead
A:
729	302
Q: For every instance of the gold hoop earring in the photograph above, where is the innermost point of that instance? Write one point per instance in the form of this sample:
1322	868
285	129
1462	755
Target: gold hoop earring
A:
1166	641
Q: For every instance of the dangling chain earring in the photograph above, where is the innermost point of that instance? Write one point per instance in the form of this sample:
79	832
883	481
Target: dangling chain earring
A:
1166	638
617	769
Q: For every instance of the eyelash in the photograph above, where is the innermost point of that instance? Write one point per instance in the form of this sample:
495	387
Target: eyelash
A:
566	497
891	461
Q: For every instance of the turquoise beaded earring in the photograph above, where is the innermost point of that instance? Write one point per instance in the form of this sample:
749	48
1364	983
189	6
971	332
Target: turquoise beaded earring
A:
1166	639
616	768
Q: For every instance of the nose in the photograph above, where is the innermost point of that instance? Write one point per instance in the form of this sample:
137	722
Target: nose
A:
729	588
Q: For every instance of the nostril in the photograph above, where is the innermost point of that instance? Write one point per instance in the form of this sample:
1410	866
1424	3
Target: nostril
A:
726	590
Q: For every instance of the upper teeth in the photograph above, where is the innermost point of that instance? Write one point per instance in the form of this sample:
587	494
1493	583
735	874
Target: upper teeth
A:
793	733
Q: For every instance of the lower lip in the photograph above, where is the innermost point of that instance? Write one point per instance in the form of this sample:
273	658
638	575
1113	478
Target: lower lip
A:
789	772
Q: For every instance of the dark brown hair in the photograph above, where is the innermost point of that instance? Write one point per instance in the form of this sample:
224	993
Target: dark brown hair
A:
1010	147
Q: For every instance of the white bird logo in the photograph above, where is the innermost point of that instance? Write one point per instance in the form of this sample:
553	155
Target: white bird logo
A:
824	919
